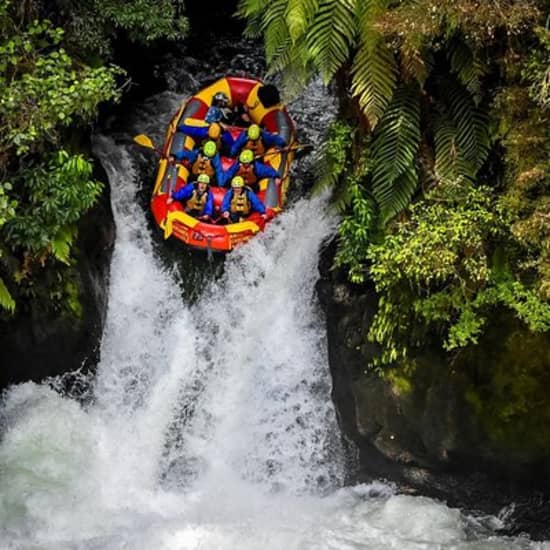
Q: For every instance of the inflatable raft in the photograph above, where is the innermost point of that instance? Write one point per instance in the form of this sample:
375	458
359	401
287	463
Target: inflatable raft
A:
242	92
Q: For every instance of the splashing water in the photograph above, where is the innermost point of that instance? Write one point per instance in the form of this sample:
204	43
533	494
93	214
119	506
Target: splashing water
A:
211	425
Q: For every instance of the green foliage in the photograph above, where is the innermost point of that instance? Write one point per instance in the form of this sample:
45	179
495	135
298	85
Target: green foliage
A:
357	230
46	90
435	273
375	71
523	127
7	212
397	84
537	69
330	36
395	144
334	158
92	25
42	91
52	196
42	88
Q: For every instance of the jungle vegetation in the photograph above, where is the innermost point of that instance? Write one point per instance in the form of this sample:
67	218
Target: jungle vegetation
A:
440	159
55	71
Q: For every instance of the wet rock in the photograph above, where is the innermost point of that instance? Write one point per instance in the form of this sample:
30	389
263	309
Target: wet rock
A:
450	429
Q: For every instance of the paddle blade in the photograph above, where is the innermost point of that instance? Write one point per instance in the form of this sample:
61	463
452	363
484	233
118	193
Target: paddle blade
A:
144	141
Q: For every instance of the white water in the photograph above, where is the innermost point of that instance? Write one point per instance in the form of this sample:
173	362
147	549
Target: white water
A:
211	426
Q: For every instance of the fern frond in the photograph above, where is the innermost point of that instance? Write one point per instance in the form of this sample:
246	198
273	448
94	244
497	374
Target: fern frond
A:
252	11
392	201
374	77
466	67
275	29
61	244
471	128
367	11
460	135
450	164
395	144
298	15
6	300
397	137
331	36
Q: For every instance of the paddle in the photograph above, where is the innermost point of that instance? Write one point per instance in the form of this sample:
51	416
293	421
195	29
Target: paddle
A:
147	142
285	150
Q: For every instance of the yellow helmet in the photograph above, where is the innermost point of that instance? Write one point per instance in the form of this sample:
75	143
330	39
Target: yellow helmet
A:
209	149
214	130
203	178
253	132
246	157
237	181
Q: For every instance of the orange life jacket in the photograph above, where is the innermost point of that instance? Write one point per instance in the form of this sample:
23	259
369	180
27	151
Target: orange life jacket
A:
197	201
240	203
256	146
246	171
203	165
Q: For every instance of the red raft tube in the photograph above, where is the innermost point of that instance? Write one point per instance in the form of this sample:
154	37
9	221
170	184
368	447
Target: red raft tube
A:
199	234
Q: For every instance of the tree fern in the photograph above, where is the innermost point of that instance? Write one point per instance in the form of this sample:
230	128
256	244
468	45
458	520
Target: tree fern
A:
275	29
461	136
471	137
298	15
395	145
466	67
450	163
331	36
374	70
252	11
374	77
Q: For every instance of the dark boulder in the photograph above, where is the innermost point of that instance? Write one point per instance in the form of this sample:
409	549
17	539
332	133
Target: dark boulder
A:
473	429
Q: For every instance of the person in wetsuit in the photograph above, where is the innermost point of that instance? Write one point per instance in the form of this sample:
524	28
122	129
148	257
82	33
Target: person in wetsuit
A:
240	201
251	170
196	197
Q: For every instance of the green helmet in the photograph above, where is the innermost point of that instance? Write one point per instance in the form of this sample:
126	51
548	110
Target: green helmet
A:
209	149
253	132
246	157
237	181
203	178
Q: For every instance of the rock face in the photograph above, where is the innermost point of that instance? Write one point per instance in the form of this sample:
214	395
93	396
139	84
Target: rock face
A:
37	343
474	430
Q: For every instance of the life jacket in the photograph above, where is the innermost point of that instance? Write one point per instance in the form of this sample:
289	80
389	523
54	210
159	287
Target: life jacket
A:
246	171
240	204
217	141
197	201
203	165
256	146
